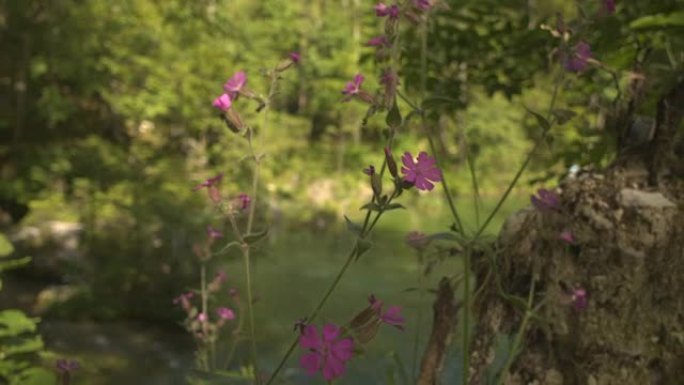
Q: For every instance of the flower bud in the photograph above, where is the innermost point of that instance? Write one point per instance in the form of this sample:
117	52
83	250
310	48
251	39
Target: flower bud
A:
391	164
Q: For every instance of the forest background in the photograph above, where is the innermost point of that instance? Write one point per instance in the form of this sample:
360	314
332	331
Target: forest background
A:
106	124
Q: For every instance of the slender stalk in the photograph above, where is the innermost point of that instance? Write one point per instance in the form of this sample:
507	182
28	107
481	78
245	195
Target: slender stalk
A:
518	338
433	148
250	312
203	293
523	167
452	207
246	250
419	317
231	350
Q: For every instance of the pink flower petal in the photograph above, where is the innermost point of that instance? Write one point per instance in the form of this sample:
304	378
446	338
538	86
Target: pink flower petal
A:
309	339
310	362
333	368
343	349
236	83
393	317
330	332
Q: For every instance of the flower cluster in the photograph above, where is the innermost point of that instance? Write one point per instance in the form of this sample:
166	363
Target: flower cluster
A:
197	319
577	60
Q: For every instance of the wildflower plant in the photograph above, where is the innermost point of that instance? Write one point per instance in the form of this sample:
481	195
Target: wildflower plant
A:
330	347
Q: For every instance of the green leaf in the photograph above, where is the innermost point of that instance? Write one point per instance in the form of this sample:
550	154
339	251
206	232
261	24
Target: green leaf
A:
542	121
393	118
6	247
14	322
440	101
563	116
370	206
255	237
394	206
36	376
659	21
14	263
355	228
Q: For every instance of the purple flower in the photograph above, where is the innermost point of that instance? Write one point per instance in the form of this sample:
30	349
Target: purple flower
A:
370	171
378	41
567	236
391	316
295	57
233	293
243	201
545	200
223	102
235	84
183	297
417	240
221	277
422	172
578	59
213	233
353	87
211	182
66	366
327	353
202	317
609	6
225	313
579	298
423	5
382	10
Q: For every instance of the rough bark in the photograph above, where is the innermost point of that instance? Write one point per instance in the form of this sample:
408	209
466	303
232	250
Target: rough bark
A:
444	322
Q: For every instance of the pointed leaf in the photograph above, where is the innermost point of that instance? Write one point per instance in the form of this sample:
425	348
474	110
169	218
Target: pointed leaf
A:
355	228
542	121
393	206
255	237
370	206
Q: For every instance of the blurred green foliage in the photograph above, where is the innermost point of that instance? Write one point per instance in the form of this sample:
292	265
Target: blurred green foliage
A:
106	114
19	341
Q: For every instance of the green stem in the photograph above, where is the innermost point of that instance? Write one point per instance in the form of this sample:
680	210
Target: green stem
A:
246	252
203	291
231	350
250	312
518	338
523	167
452	207
416	338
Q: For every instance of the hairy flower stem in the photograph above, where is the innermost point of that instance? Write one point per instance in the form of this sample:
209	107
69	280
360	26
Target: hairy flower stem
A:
246	254
203	293
452	207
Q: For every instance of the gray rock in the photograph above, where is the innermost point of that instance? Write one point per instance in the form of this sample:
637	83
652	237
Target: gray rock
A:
636	198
